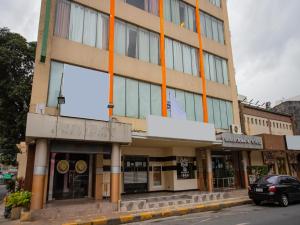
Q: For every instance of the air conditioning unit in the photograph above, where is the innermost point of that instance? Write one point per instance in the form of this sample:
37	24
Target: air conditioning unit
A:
235	129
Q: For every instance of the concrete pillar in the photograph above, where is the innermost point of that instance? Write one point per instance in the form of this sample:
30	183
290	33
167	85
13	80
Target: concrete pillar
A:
99	177
115	174
209	171
52	168
39	172
245	166
90	187
200	170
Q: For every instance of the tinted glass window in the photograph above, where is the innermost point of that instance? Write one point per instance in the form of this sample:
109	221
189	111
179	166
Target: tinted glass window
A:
267	180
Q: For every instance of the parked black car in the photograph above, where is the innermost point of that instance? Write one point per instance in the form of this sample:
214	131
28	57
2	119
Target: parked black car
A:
280	189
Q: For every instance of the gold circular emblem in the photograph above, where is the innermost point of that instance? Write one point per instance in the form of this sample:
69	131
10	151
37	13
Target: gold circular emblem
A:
63	166
80	166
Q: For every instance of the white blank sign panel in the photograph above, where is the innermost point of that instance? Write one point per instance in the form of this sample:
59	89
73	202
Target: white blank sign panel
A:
85	92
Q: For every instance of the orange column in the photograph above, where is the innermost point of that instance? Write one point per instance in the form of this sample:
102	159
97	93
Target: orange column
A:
245	171
163	61
39	173
201	64
111	55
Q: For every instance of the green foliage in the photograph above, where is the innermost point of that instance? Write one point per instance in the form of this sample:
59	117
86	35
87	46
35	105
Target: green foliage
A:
18	199
16	70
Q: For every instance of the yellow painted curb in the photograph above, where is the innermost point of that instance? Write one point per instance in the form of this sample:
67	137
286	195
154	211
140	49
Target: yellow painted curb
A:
100	221
70	224
126	219
183	211
166	213
146	215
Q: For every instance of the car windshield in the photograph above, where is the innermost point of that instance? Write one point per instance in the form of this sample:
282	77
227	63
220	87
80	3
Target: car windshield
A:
267	180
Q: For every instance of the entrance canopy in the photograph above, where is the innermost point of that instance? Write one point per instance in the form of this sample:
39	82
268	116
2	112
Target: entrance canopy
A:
293	142
240	141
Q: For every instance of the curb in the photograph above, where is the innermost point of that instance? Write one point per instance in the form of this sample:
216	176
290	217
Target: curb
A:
143	216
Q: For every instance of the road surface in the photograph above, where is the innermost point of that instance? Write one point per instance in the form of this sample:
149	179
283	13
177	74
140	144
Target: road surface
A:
240	215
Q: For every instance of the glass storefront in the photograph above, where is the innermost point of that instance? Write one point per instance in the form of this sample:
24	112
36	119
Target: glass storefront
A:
71	175
226	169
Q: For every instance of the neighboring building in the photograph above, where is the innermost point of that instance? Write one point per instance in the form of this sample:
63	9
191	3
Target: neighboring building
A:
290	106
272	127
108	74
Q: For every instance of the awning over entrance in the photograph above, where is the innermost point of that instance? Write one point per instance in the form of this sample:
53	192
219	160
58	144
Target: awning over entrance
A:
293	142
240	141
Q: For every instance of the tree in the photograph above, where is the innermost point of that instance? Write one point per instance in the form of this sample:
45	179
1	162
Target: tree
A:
16	72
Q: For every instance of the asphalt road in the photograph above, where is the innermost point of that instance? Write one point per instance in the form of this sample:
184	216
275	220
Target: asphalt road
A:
240	215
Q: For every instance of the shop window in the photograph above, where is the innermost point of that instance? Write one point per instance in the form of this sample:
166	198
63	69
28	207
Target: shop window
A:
255	121
185	168
263	123
157	175
259	122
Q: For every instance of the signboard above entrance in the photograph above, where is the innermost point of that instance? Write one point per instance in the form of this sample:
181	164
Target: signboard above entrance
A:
241	141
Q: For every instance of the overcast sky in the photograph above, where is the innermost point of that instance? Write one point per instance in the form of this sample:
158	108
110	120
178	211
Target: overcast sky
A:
265	39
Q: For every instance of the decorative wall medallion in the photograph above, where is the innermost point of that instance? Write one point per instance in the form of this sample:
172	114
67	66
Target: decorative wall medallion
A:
80	166
63	166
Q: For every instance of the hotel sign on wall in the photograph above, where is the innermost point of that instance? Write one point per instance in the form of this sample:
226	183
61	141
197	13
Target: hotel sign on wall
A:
241	141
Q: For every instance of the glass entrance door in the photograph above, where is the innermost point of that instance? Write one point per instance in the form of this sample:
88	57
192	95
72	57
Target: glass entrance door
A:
135	174
71	176
223	171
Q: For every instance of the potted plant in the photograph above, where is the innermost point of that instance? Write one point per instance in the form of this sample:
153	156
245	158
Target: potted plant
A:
18	201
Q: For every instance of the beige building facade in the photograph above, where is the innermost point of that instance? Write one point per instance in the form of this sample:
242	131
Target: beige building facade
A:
273	127
128	96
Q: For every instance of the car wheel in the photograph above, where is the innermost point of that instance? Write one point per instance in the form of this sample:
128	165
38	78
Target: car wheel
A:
256	202
284	201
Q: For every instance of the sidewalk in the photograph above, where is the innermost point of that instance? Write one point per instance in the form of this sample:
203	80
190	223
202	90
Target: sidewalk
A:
90	212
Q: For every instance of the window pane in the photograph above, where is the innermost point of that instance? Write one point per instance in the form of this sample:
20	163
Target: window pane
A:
224	120
57	70
212	68
170	92
177	56
120	37
191	17
76	23
198	108
132	41
210	110
119	96
184	22
221	32
153	6
195	61
154	49
144	45
208	26
155	100
144	100
187	59
137	3
169	53
102	32
229	112
175	11
62	21
215	29
90	23
225	71
217	113
132	98
180	98
190	106
167	10
206	66
203	24
219	70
